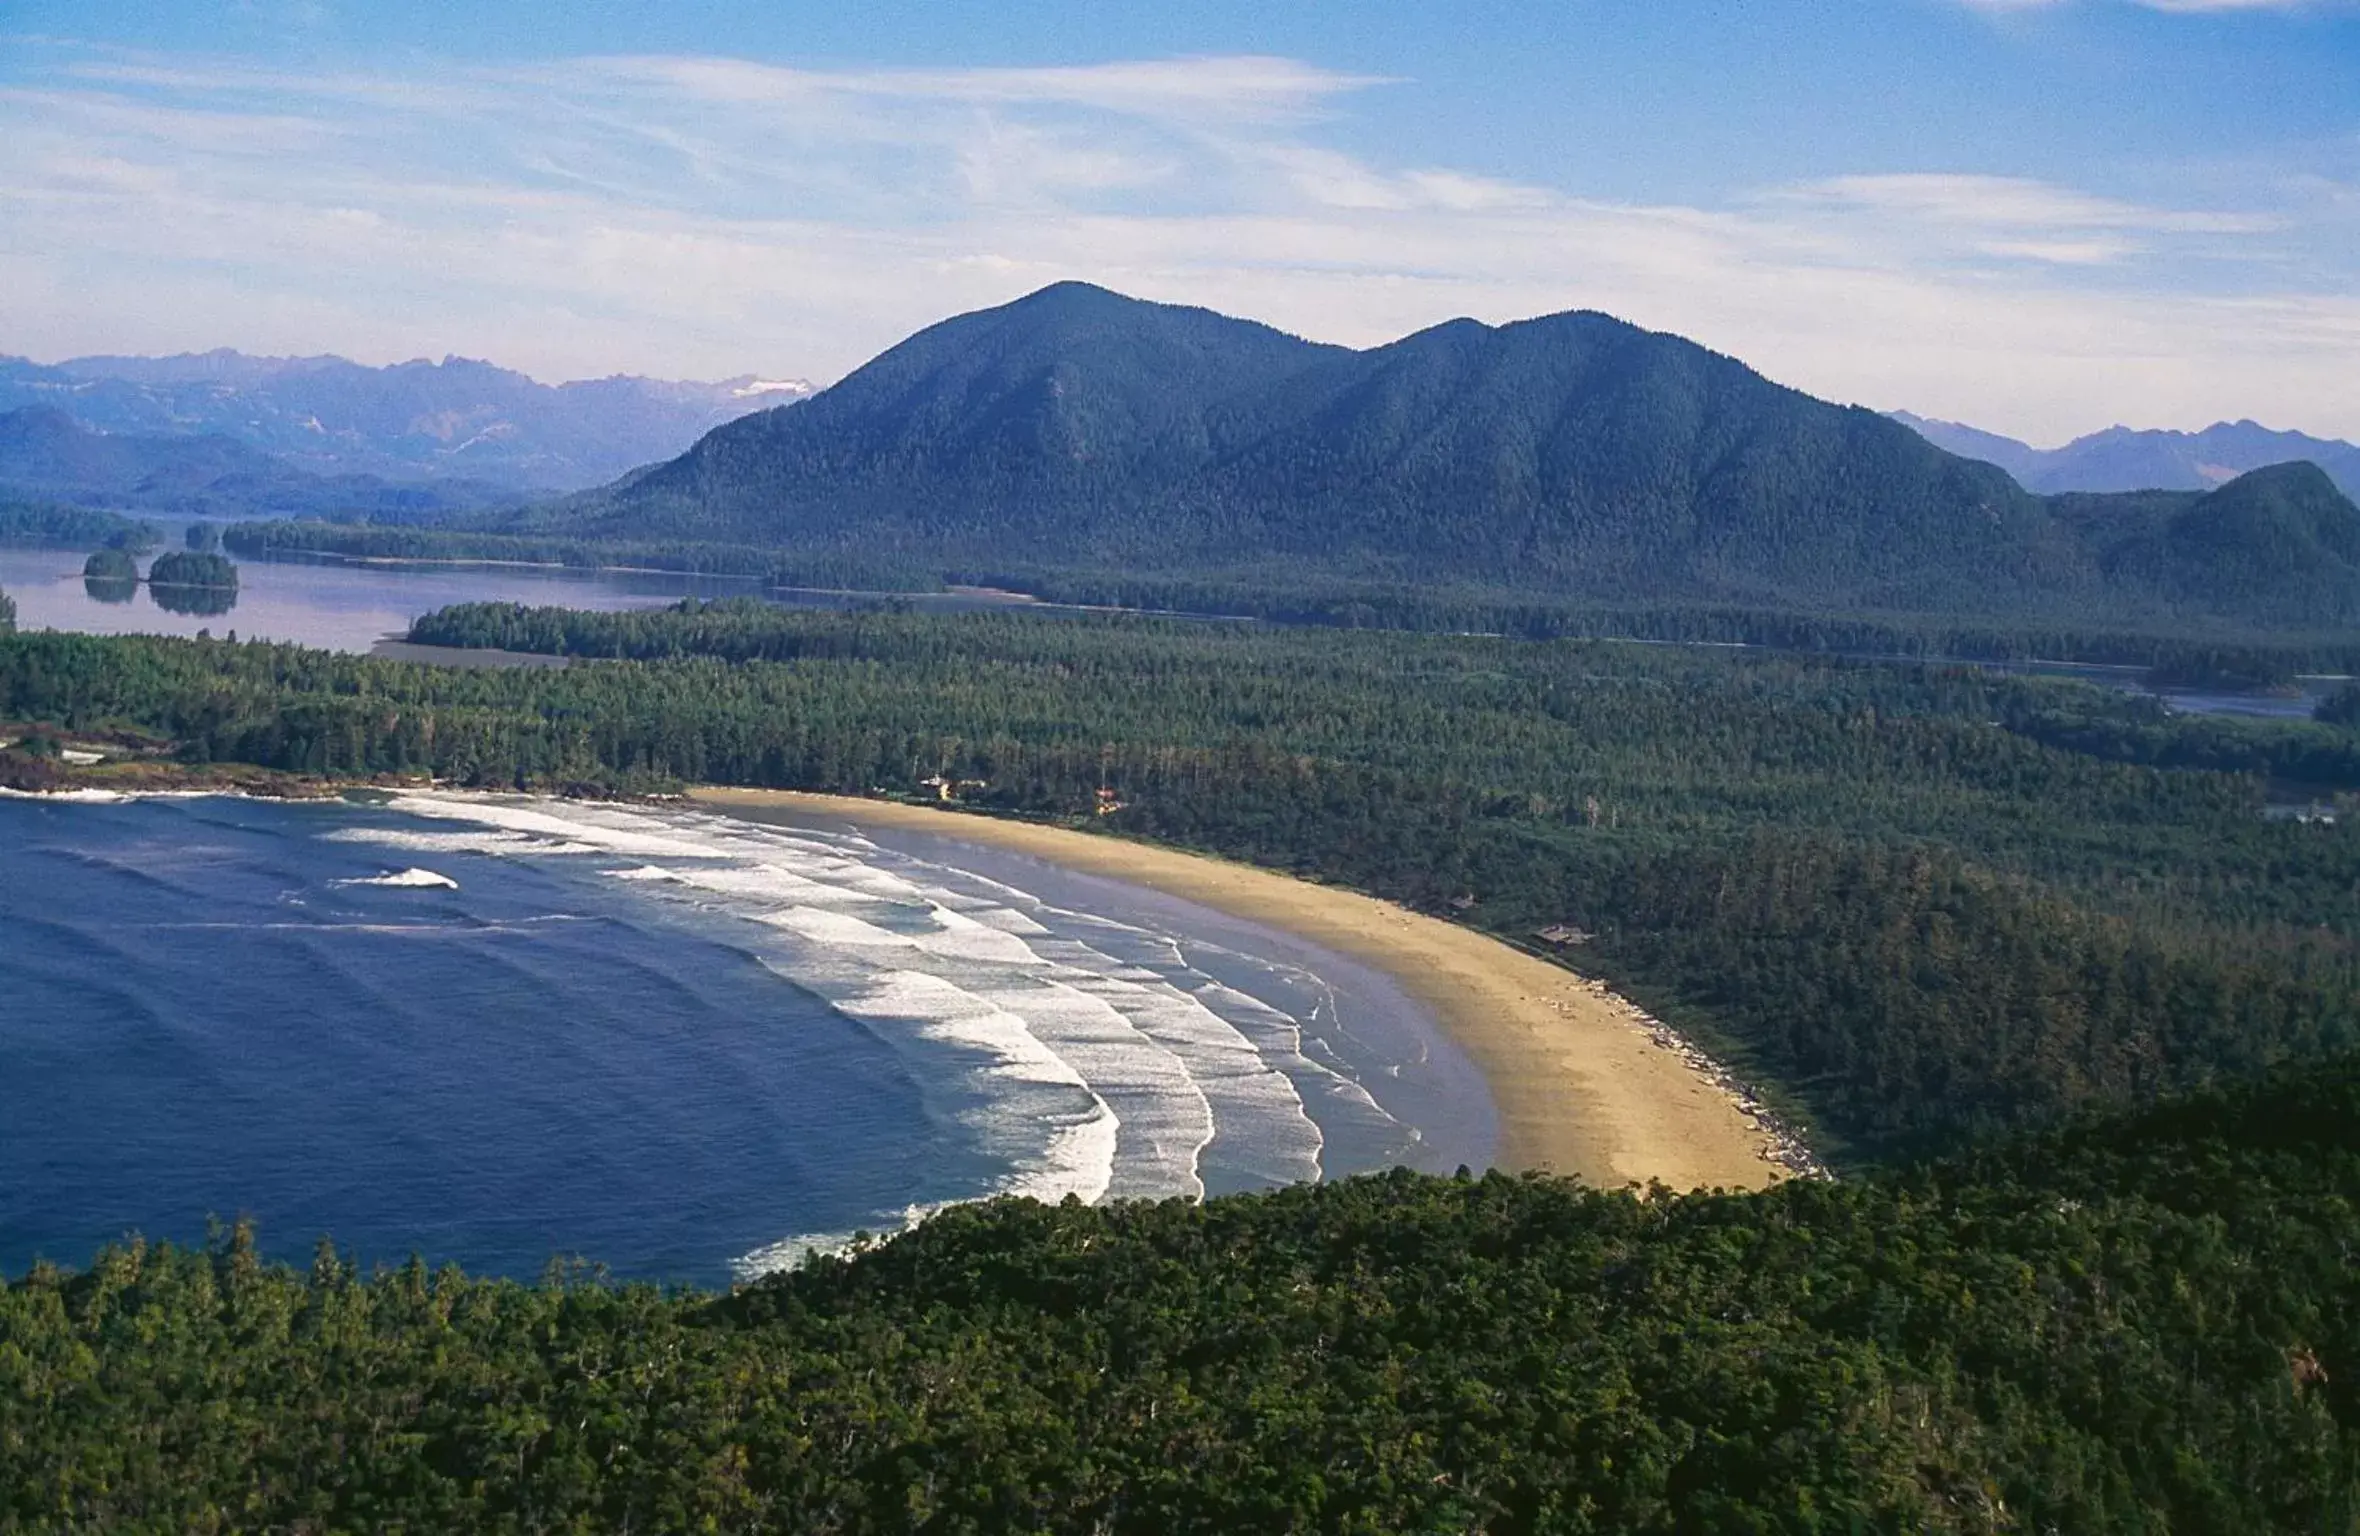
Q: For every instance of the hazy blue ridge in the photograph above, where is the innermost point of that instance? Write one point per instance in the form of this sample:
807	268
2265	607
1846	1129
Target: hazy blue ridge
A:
2125	459
456	419
45	454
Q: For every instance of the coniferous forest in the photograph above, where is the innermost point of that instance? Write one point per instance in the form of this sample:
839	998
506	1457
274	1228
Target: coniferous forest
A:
2072	1012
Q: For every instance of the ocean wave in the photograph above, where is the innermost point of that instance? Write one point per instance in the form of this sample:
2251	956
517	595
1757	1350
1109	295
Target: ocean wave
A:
409	879
497	844
790	1253
69	796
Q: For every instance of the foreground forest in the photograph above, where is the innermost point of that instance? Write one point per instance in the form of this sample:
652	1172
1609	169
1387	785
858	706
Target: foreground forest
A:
2143	1325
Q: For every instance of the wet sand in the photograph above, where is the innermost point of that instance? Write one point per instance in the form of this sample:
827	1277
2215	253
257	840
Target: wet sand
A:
1580	1084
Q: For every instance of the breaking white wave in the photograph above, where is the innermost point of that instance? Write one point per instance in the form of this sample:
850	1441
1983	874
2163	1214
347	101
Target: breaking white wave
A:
794	1252
414	879
1082	1056
407	841
70	796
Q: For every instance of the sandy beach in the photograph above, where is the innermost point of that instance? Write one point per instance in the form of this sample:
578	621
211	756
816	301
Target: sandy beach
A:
1581	1086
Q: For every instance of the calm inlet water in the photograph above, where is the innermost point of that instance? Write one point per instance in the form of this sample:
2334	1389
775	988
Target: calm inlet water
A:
687	1047
351	607
336	607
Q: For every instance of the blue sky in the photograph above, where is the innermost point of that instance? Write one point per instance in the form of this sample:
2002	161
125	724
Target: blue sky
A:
2041	216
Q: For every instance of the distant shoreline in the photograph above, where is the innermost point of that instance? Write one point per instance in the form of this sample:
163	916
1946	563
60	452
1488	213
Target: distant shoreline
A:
1580	1083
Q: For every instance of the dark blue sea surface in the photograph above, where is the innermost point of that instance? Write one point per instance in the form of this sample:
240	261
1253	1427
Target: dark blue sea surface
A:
683	1047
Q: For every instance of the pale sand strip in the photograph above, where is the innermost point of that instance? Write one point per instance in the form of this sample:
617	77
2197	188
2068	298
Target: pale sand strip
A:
1580	1086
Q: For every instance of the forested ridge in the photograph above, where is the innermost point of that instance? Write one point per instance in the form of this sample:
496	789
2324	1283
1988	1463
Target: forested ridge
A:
2136	1325
1925	902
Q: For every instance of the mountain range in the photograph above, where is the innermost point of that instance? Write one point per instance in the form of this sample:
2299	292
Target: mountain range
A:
46	455
2124	459
1574	455
418	420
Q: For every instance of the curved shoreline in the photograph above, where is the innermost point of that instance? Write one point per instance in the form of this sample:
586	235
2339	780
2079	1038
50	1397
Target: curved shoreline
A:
1581	1084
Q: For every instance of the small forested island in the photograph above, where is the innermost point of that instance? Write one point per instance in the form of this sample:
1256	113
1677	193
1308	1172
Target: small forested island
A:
187	568
110	565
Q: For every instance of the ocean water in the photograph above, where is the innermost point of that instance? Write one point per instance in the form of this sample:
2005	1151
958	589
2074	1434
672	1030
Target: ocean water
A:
691	1048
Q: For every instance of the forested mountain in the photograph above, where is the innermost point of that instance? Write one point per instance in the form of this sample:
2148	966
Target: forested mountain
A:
1023	422
2124	459
454	419
2284	533
1573	455
46	454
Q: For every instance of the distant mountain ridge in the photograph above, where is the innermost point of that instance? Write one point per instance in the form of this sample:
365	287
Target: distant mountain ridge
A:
456	418
1572	454
2125	459
46	455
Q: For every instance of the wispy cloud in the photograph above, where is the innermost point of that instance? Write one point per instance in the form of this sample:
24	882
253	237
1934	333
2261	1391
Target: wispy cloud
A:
1941	216
707	215
2017	203
2179	7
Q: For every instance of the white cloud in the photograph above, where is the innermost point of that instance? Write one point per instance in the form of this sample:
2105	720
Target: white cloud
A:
711	216
2177	7
2016	202
1259	89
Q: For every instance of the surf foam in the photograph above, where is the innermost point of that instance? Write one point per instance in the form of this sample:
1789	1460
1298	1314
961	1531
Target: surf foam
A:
410	879
1085	1056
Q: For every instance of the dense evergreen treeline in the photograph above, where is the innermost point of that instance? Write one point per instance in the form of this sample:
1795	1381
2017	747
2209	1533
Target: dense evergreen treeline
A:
48	523
2136	1325
2125	729
2192	654
2341	707
1927	901
406	541
2184	655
